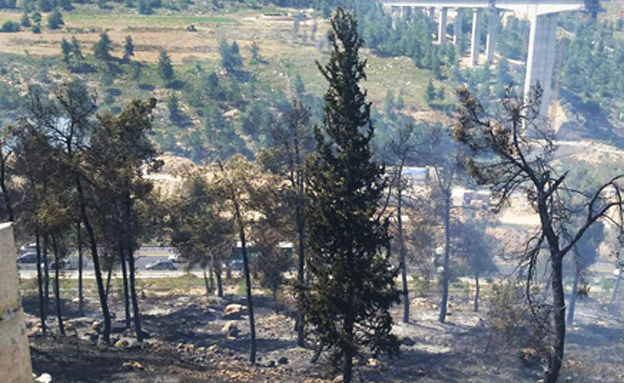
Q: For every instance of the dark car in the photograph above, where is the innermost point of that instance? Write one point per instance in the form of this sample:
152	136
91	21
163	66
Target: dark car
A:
27	258
163	264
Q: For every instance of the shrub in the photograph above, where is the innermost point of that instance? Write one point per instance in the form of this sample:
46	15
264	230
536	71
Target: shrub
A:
10	26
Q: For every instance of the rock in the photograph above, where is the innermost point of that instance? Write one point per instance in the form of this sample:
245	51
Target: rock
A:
282	360
372	362
93	336
234	311
127	343
121	343
96	326
69	326
213	349
44	378
133	365
407	341
337	379
230	329
270	363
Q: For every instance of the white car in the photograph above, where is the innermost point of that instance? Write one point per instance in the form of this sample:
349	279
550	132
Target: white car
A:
175	258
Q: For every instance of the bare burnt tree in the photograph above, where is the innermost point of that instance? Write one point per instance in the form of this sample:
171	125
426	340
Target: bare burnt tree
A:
402	148
513	153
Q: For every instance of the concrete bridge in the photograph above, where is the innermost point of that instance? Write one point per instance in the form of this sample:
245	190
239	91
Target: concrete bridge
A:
542	14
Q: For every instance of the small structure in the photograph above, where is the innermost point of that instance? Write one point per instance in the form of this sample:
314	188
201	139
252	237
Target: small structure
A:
15	365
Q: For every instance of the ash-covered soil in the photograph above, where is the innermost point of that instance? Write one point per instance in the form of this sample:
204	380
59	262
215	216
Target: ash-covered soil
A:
192	340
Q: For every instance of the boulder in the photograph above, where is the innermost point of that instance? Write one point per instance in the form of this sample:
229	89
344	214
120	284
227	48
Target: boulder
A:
234	311
230	329
282	360
213	349
372	362
44	378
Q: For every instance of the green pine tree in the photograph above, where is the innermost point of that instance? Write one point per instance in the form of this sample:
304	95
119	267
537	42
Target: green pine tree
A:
351	287
165	67
430	93
101	49
128	49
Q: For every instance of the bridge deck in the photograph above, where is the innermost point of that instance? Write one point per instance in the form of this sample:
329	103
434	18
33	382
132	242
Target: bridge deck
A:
536	7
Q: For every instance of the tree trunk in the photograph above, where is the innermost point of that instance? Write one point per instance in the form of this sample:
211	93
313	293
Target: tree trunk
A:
301	268
617	286
46	281
447	242
124	273
402	261
108	280
347	369
57	287
206	284
5	191
135	300
96	260
476	296
80	263
572	304
44	327
556	359
219	283
252	323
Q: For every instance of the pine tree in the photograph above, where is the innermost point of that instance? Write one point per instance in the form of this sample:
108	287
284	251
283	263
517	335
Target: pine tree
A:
25	21
101	49
351	286
66	50
128	49
165	67
55	19
430	92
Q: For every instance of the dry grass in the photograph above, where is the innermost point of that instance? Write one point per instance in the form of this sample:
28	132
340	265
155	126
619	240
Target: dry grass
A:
284	58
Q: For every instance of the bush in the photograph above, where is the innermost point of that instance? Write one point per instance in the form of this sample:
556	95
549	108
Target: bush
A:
36	28
10	27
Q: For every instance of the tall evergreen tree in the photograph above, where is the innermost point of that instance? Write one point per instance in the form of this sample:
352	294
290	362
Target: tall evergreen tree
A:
128	49
102	49
165	67
351	280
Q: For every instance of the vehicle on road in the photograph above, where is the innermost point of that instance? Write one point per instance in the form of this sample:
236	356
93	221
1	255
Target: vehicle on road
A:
163	264
175	258
28	248
29	257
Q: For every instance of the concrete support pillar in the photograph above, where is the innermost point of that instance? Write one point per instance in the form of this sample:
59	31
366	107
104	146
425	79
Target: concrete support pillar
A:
406	12
442	26
541	59
15	364
492	30
475	47
458	26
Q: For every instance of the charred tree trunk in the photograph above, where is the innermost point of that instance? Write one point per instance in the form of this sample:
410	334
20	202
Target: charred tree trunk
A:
252	322
447	244
556	360
130	245
301	267
206	283
42	310
135	300
572	305
96	260
5	189
402	260
347	368
477	291
57	287
108	280
80	265
124	274
219	283
46	280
